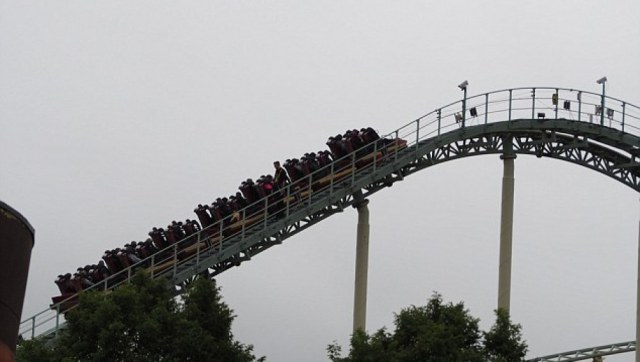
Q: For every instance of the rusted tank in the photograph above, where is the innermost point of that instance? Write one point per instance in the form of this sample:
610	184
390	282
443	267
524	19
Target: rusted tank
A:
16	242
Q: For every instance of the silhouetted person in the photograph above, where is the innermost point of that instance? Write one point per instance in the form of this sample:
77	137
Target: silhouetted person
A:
280	178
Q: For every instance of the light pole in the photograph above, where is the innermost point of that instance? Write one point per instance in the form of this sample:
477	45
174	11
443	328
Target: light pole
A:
463	87
602	81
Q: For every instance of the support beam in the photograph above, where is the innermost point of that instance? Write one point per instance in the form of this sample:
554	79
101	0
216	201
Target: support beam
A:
506	226
362	266
638	299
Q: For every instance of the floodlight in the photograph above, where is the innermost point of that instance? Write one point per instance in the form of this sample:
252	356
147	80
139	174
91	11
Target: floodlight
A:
609	113
463	85
601	80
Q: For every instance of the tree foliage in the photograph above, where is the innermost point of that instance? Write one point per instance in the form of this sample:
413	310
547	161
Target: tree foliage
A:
142	322
436	332
503	342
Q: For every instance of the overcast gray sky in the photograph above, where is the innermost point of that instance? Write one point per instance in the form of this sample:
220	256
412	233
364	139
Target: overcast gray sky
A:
118	116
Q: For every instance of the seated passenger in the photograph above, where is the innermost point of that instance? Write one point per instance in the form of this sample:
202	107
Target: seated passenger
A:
356	143
102	272
324	160
130	251
248	191
335	147
146	248
174	232
259	188
294	169
345	143
214	211
339	148
368	135
203	215
110	258
309	161
64	284
123	257
239	201
158	237
267	184
191	227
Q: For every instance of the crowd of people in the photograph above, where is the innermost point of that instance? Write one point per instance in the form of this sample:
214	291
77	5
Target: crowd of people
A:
286	185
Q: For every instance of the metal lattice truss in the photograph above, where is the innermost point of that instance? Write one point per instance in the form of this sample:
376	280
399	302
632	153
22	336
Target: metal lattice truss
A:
593	353
592	147
596	148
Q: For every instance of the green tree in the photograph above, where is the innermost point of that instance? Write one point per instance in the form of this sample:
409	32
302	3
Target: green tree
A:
503	342
141	321
436	332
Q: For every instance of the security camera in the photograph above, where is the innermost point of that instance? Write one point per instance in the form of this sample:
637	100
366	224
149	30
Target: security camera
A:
601	80
464	85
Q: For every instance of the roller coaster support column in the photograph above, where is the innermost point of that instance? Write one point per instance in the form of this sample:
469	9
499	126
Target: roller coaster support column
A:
506	226
362	266
638	301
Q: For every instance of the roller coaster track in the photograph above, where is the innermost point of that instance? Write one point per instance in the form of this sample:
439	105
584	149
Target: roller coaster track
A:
588	353
559	123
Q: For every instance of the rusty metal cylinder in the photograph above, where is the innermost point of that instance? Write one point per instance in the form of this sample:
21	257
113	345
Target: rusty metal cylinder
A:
16	242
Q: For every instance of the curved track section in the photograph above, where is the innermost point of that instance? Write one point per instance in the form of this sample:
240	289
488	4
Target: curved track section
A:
610	152
559	123
588	353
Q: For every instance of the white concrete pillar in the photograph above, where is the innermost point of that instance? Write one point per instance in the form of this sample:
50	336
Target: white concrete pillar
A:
638	301
362	266
506	227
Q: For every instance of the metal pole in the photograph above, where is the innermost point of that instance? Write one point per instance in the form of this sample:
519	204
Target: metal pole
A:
602	105
579	106
464	107
510	101
362	265
638	300
533	103
506	226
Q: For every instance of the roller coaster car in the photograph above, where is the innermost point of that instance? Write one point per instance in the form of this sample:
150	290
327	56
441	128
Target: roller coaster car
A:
233	214
384	148
64	302
70	286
